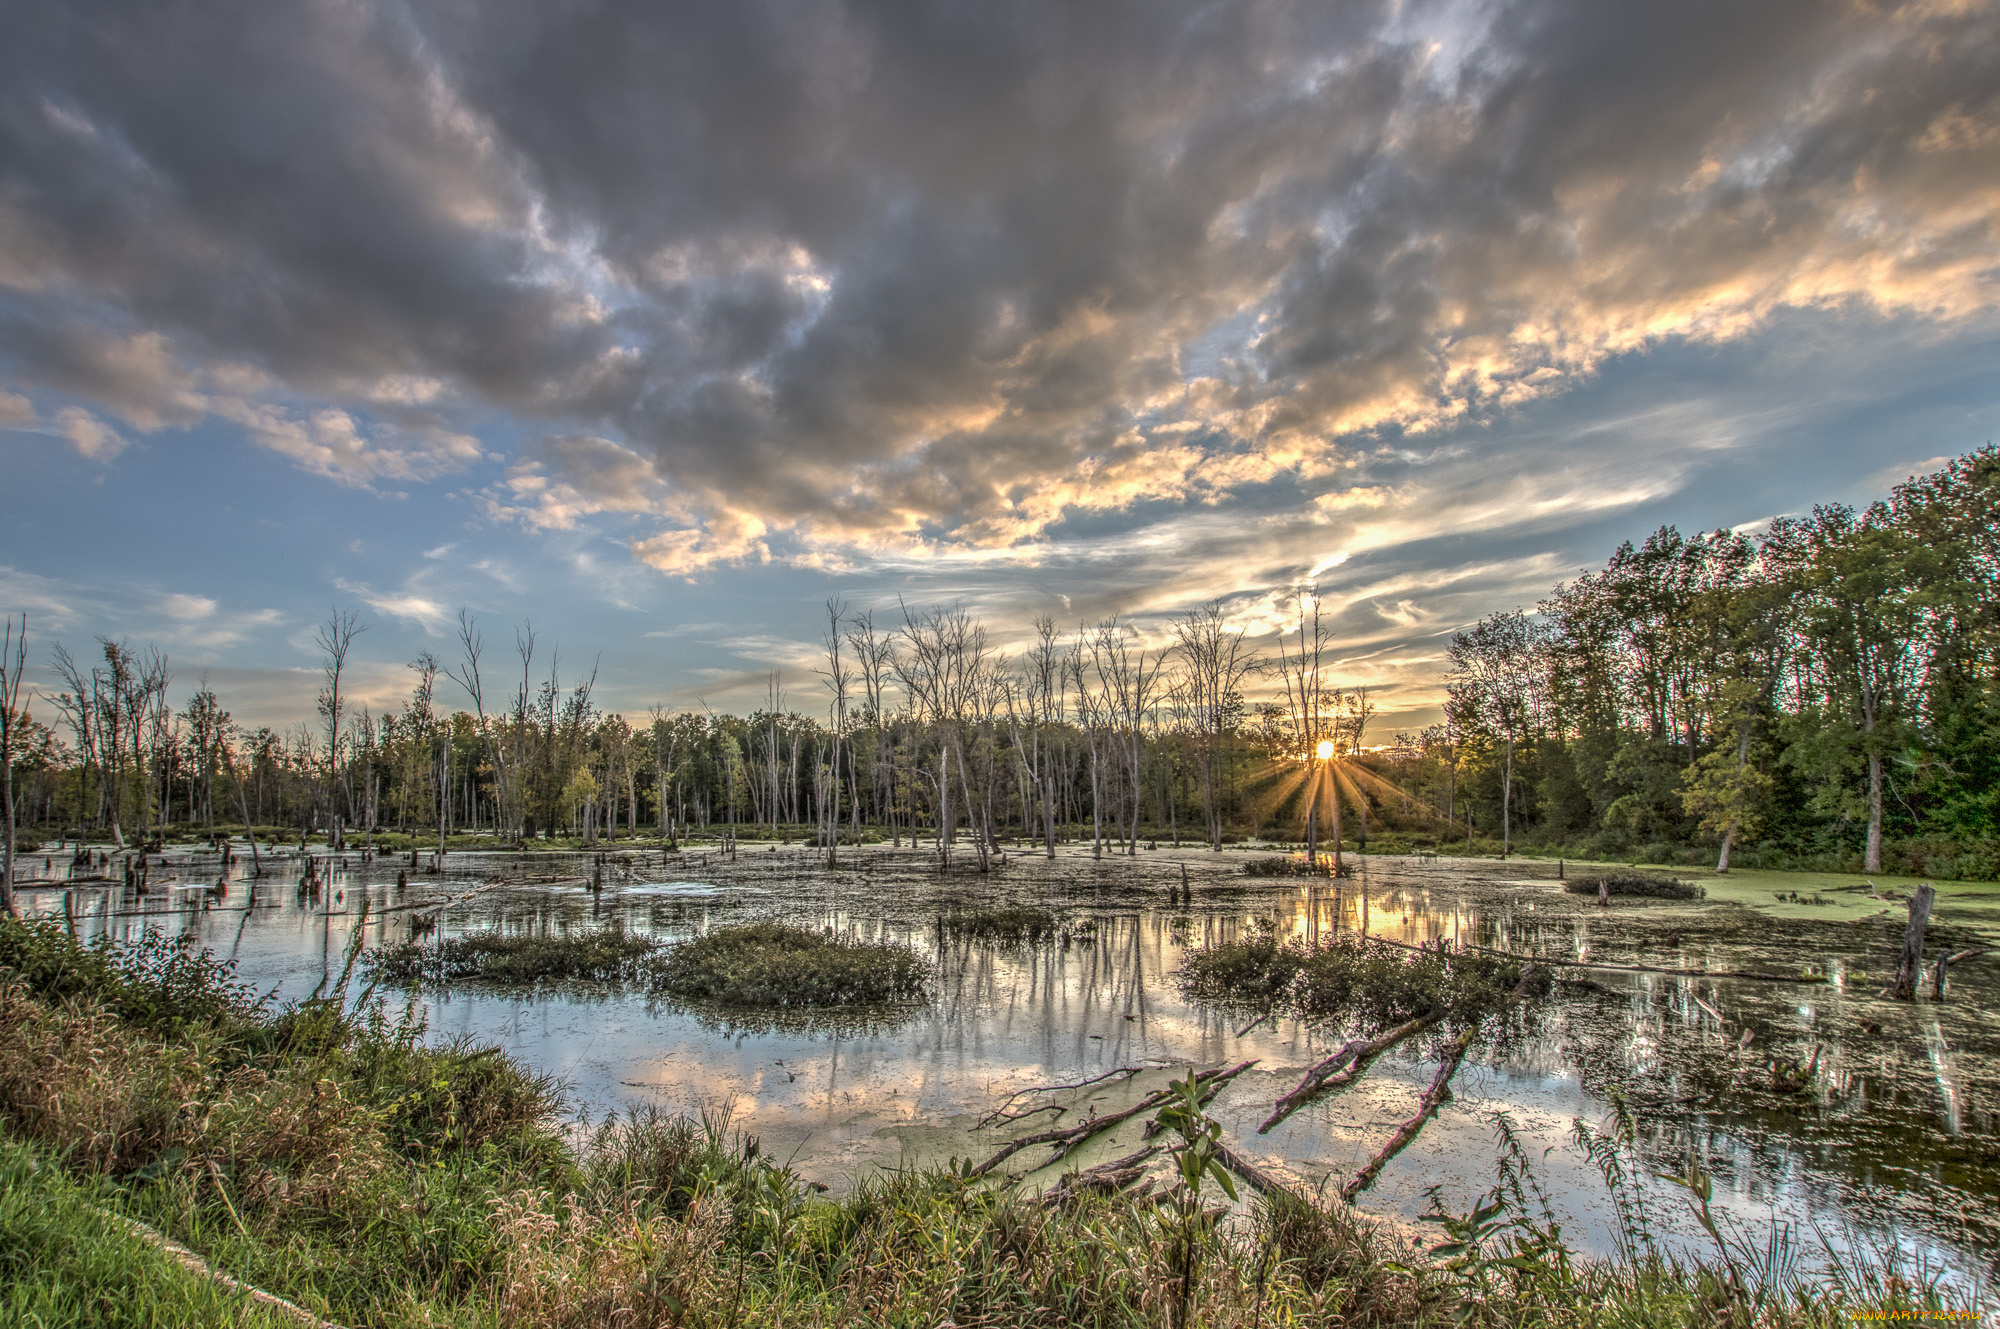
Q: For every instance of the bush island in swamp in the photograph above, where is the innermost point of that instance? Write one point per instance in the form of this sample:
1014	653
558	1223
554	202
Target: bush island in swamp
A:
766	964
601	954
324	1153
1352	978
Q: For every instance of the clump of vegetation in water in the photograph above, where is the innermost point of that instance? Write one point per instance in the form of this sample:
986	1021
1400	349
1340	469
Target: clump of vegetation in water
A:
606	954
1295	865
339	1162
1634	883
774	964
1009	923
1352	980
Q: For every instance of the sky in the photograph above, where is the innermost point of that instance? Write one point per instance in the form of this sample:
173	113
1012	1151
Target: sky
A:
657	324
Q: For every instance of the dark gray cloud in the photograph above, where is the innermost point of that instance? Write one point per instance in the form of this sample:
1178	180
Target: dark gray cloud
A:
824	280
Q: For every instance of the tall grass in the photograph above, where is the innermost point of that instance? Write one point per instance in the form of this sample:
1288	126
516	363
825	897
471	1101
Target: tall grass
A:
325	1152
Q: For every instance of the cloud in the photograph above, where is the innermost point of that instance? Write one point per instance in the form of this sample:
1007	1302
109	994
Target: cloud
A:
188	608
90	435
332	443
407	604
830	284
16	410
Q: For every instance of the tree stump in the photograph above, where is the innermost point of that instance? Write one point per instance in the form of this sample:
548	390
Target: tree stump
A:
1910	967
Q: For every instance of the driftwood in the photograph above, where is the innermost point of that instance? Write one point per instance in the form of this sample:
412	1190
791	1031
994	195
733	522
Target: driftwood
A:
1426	1108
1945	962
1066	1138
1343	1068
1001	1114
1254	1023
1910	965
1105	1178
1260	1181
1428	1105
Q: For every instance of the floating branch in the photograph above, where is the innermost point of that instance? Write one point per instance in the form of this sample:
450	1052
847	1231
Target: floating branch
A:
1428	1105
1347	1065
1263	1182
1105	1177
1066	1138
1426	1108
1000	1113
1625	968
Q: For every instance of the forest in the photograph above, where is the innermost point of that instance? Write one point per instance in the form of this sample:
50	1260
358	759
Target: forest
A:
1822	693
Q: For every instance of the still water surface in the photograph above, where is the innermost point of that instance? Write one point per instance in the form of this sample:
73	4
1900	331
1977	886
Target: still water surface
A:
1896	1145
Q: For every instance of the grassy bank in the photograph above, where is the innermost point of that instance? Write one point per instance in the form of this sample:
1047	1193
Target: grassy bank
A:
335	1157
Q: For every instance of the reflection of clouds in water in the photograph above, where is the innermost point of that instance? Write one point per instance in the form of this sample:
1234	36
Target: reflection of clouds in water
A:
888	1088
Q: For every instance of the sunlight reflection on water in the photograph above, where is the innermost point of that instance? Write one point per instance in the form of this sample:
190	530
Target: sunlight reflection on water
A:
1870	1145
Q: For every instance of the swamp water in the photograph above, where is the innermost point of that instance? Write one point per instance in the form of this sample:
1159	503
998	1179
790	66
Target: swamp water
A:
1896	1143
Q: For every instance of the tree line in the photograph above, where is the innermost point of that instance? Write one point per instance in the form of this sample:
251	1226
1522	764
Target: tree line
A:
1823	694
1819	694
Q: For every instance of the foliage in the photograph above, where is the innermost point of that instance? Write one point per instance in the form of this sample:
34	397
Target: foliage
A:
601	954
1010	923
1351	979
1633	883
773	964
376	1180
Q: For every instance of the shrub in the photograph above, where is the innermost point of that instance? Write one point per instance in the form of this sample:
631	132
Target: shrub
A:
158	983
1014	923
1295	865
773	964
1353	979
605	954
1635	883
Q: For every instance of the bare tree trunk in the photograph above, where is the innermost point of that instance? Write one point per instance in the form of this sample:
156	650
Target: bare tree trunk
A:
13	662
1871	860
1910	966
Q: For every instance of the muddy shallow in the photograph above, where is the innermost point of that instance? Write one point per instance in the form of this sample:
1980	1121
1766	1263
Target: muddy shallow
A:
1897	1142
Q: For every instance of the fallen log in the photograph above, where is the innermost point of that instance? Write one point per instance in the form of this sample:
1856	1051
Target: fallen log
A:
1427	1108
1945	962
1067	1138
1105	1177
1254	1023
1261	1181
1428	1105
201	1268
1343	1068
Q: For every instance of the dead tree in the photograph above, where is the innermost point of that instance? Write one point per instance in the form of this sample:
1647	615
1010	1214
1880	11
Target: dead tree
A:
13	663
1910	965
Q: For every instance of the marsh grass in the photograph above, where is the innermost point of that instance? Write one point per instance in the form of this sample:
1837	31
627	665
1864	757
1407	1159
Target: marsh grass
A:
771	964
606	954
1351	980
1296	865
1011	924
325	1153
1634	883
